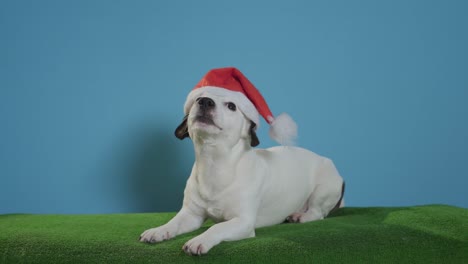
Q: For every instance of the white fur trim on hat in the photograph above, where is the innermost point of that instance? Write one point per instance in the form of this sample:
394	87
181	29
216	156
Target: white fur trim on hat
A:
238	98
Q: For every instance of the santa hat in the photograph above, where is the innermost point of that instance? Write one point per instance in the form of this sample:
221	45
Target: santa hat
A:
230	82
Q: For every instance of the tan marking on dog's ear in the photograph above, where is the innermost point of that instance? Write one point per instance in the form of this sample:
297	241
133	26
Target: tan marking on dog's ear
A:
181	131
253	136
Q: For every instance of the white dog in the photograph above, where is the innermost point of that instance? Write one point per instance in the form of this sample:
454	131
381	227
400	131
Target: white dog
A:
242	188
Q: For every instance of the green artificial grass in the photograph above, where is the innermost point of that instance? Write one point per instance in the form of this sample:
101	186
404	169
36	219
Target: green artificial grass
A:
420	234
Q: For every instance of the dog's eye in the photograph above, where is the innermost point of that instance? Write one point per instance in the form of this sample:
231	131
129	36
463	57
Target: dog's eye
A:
231	106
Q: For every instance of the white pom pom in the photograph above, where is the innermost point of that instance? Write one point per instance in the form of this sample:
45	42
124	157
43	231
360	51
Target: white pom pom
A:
283	130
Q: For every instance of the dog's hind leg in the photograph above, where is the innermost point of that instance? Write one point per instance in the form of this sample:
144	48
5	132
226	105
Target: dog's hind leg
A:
313	209
326	197
319	205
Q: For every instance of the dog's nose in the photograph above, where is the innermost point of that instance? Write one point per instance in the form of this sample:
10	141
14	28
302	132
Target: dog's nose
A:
206	103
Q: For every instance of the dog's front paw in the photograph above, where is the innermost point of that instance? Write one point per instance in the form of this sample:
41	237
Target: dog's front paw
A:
155	235
198	246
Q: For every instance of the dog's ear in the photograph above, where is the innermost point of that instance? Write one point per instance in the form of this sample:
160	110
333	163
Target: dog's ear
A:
181	131
253	136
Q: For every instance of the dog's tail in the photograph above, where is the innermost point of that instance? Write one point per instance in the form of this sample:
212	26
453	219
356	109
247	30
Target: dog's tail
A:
340	202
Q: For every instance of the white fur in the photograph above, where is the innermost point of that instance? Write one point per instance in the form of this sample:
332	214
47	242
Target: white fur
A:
283	130
242	188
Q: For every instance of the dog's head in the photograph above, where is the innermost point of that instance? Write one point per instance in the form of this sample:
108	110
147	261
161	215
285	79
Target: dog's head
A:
216	117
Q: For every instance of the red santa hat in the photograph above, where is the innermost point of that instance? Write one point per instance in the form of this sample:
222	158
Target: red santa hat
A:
230	82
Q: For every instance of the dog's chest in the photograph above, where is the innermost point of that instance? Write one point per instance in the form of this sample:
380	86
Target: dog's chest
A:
216	214
211	194
214	207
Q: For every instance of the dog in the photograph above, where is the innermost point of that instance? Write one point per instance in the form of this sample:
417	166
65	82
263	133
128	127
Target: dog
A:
242	188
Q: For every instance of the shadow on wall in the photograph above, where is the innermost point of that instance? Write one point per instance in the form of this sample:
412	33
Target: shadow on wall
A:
154	170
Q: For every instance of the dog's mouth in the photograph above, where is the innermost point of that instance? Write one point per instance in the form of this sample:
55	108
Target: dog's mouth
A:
206	120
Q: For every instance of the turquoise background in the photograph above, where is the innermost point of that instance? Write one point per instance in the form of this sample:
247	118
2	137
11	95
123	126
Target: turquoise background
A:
91	92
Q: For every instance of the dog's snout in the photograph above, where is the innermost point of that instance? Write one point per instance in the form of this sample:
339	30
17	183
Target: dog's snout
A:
206	103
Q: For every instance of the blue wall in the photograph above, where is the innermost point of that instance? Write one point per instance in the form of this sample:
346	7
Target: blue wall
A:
91	92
